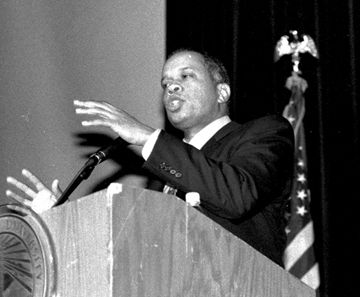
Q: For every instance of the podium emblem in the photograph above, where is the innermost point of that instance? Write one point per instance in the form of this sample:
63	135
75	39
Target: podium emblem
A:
27	259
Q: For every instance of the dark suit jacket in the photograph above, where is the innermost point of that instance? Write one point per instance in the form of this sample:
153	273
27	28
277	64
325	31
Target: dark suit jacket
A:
243	175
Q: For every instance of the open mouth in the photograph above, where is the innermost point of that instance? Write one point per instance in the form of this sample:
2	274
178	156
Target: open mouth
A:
174	104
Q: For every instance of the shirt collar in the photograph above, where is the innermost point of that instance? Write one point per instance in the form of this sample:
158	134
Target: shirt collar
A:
200	138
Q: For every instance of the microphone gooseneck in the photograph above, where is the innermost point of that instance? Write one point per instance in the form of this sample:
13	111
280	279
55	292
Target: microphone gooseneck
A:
96	158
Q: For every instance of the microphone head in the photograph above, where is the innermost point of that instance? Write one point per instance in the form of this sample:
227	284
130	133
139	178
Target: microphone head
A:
106	152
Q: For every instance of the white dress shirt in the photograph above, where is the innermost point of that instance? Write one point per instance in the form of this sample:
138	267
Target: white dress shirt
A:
197	141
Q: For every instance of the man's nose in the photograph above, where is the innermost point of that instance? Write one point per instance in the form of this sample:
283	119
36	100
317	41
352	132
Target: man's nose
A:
173	88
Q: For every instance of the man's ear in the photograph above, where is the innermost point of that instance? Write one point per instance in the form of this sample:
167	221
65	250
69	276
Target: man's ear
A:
224	92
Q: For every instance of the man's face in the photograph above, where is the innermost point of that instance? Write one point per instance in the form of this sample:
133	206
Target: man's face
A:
190	96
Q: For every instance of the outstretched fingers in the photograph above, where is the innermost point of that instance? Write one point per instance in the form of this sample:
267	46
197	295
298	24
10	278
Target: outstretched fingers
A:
93	105
18	198
97	123
106	115
102	110
94	111
38	200
22	187
33	179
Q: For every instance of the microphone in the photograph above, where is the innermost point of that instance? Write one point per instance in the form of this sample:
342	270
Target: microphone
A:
106	152
95	159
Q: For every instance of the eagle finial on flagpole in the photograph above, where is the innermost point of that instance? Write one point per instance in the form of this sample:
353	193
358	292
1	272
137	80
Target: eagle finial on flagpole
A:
295	47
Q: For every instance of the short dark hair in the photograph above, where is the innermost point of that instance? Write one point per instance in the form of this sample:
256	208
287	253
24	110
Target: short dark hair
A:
215	67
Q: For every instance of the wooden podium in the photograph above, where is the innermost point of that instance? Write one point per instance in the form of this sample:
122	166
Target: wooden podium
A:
128	242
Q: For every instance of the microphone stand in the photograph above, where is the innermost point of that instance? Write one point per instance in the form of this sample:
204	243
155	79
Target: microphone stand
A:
83	174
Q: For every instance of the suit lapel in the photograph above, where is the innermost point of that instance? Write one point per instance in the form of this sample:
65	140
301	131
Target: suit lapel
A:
214	141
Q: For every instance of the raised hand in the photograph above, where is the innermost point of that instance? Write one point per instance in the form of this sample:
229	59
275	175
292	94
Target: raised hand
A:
122	123
37	196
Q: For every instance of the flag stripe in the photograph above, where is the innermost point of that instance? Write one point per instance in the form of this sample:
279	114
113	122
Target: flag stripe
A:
312	277
304	263
302	241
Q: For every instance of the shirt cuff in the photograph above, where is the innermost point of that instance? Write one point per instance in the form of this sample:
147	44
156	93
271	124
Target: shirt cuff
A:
149	144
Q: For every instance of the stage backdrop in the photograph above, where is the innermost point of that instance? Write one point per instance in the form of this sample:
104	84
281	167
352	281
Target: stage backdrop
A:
52	52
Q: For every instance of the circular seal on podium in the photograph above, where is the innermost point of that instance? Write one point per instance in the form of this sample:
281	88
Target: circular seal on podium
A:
27	258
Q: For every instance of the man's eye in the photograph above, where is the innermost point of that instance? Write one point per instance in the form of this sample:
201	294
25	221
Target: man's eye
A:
187	75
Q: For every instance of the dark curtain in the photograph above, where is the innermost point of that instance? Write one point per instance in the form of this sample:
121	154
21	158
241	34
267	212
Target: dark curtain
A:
243	34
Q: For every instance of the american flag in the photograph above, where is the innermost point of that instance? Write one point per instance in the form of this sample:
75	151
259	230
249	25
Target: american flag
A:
299	256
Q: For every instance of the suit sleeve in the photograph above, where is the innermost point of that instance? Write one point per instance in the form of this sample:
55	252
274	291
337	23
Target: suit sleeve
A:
246	170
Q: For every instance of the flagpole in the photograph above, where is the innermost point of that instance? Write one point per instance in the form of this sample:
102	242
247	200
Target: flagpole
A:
299	257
